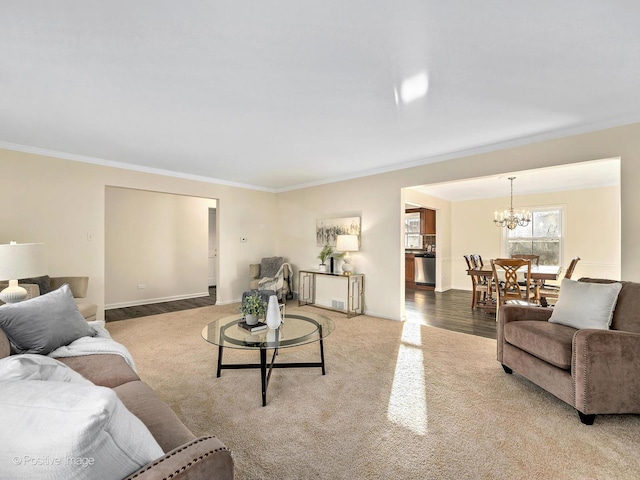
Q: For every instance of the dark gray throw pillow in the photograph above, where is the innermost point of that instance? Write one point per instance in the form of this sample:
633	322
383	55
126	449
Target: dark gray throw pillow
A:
270	266
44	283
44	323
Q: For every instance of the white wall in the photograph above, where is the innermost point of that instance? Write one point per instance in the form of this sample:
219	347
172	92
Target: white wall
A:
381	231
592	230
59	202
155	240
380	202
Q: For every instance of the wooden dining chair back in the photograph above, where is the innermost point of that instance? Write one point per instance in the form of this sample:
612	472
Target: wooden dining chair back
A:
547	291
481	289
513	280
479	263
470	264
572	267
535	259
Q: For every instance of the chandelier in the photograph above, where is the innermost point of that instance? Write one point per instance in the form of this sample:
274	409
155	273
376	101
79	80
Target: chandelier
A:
510	218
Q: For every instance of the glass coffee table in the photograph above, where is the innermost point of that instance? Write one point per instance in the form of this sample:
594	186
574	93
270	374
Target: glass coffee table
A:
296	330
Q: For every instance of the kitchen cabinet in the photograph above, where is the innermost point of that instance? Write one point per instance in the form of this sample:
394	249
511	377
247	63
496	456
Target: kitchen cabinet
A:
418	221
409	269
429	222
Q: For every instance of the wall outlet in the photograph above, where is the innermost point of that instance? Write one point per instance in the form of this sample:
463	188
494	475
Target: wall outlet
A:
141	286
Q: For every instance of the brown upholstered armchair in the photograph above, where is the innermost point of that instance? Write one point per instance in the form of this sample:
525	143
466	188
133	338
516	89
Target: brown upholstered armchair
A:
596	371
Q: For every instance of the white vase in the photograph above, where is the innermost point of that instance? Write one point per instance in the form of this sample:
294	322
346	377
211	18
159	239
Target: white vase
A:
251	319
272	337
322	267
273	313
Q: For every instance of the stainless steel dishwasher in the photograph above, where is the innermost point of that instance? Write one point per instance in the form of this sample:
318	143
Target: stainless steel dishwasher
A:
425	264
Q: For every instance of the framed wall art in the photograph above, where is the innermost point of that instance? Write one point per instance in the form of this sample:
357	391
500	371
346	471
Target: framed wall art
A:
328	229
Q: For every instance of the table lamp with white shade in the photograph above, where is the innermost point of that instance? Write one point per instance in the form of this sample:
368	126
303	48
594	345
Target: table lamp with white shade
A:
347	243
20	260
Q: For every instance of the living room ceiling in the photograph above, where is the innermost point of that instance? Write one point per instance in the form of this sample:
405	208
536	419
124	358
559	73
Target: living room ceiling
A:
282	94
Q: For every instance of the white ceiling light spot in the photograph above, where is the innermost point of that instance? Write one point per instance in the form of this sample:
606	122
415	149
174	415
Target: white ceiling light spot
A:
414	87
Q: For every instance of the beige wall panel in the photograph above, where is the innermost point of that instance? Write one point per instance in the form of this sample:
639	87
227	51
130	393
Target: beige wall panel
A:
379	201
59	202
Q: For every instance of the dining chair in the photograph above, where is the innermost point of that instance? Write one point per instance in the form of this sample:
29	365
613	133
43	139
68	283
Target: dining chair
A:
481	287
535	259
547	291
508	274
477	259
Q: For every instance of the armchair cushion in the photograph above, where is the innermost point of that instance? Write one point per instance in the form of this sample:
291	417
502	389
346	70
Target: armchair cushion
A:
78	285
550	342
586	305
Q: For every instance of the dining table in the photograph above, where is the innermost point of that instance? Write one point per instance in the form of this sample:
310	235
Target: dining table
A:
539	274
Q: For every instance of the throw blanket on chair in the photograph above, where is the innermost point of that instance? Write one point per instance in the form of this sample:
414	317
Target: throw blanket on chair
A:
275	283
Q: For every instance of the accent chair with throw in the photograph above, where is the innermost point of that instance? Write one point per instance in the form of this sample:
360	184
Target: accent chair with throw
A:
272	273
585	350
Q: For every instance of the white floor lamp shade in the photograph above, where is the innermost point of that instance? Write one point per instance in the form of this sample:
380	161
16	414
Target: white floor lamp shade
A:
20	260
347	243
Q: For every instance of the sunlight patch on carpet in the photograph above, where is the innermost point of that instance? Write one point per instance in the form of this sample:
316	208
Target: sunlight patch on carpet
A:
408	403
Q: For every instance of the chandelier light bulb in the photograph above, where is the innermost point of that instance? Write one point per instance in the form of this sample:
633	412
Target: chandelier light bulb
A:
511	218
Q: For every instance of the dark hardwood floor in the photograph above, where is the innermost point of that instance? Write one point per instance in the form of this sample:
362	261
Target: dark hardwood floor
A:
156	308
450	310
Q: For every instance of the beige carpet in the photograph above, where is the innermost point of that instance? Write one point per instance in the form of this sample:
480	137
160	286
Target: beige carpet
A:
399	401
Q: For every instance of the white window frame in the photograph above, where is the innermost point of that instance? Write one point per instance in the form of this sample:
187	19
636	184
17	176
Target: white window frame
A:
563	236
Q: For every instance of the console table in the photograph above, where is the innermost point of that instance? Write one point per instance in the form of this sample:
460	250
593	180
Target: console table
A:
353	282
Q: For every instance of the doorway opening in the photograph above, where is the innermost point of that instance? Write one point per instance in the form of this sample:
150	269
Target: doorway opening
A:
588	192
156	246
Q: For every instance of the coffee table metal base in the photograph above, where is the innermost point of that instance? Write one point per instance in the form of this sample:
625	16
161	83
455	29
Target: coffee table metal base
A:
265	370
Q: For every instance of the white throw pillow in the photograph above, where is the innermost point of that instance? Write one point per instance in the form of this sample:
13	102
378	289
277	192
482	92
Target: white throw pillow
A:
69	431
586	305
38	367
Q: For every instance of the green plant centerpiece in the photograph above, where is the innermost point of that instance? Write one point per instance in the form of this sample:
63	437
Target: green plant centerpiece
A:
326	253
253	306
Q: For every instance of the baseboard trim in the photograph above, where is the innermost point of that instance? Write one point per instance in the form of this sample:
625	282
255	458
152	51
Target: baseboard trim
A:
149	301
228	302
